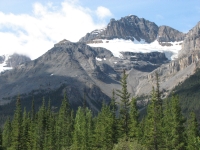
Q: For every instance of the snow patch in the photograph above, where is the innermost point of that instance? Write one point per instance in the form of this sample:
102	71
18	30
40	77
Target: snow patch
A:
98	59
116	46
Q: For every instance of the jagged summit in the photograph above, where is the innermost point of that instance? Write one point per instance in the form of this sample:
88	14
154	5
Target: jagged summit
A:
168	34
62	43
134	28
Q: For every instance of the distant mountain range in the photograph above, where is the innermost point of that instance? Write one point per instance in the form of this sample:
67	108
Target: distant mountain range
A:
83	69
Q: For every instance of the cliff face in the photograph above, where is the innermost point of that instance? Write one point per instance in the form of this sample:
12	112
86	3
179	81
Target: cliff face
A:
170	74
168	34
131	28
191	42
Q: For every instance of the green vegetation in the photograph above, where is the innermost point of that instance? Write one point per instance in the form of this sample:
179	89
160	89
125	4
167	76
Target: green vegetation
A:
162	128
189	94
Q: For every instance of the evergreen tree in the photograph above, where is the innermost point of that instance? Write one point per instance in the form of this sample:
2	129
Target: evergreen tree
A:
192	132
113	109
50	130
104	131
177	126
64	126
17	127
167	124
82	135
7	134
41	127
133	126
124	96
25	130
153	125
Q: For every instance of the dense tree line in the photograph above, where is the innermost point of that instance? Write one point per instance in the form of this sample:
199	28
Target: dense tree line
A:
116	127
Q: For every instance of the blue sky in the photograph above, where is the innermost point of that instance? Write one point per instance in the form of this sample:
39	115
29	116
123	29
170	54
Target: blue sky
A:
34	26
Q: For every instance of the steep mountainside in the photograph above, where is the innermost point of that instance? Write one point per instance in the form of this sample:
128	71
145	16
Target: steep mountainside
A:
191	42
77	68
189	93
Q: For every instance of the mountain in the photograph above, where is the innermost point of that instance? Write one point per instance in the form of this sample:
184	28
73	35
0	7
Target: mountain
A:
80	70
191	42
11	61
91	68
134	28
135	34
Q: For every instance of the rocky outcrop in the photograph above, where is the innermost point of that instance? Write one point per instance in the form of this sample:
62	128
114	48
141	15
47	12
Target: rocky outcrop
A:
191	42
130	27
153	57
168	34
13	60
170	75
16	59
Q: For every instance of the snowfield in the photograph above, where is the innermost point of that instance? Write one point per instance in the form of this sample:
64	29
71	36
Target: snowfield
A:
120	45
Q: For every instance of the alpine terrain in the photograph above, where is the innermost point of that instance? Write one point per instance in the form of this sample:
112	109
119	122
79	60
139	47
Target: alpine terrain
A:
91	68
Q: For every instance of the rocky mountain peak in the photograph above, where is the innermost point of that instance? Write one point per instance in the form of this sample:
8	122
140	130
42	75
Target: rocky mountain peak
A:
134	28
168	34
191	42
129	28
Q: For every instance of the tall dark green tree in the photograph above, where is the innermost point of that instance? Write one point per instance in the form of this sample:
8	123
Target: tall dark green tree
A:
134	122
192	133
17	127
64	126
124	96
167	124
82	135
153	125
113	109
104	131
177	126
7	134
40	129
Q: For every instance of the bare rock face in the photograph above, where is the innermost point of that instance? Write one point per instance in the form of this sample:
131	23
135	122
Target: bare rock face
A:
129	27
168	34
191	42
16	59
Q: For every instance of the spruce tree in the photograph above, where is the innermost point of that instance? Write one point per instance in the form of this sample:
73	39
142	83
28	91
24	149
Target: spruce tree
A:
167	124
17	127
124	96
25	130
82	135
192	132
41	127
64	125
104	131
134	123
113	109
153	125
7	134
177	126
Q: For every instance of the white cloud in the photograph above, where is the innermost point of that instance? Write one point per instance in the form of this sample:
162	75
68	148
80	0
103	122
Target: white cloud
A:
103	12
36	33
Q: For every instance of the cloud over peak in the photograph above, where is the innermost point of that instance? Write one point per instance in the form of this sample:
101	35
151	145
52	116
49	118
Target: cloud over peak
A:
33	34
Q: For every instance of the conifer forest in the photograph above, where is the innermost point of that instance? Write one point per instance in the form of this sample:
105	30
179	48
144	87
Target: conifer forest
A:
119	125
